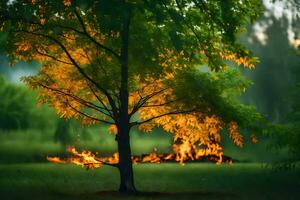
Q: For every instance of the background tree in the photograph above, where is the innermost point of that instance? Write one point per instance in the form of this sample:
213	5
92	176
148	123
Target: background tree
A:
286	135
63	133
15	106
136	63
273	77
18	108
276	79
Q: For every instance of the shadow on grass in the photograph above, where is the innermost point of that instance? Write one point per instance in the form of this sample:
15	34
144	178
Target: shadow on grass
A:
160	195
114	195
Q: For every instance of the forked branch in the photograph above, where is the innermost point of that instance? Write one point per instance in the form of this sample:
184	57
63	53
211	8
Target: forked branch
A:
162	115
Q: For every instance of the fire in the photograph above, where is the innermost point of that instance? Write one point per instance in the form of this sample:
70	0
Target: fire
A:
85	159
169	156
55	160
113	159
212	149
152	158
183	152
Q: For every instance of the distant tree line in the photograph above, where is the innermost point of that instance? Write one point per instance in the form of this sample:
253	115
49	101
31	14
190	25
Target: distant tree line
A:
18	108
276	87
274	76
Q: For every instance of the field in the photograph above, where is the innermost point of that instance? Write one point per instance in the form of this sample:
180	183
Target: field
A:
24	174
156	181
34	145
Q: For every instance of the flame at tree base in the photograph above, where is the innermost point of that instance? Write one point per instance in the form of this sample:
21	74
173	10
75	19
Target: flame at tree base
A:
89	160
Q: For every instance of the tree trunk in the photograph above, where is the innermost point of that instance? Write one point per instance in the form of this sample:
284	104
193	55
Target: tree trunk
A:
125	162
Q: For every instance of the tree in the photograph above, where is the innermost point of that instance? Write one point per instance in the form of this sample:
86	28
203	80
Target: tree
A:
293	14
18	108
136	63
286	134
62	133
271	94
15	106
279	96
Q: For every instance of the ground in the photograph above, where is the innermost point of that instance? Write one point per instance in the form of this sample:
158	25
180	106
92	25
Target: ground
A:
156	181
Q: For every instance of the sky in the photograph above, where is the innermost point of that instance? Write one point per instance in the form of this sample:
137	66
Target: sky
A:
279	9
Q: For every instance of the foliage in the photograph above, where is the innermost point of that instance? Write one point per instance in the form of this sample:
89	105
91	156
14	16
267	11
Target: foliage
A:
278	59
136	63
87	58
287	135
62	133
18	109
278	95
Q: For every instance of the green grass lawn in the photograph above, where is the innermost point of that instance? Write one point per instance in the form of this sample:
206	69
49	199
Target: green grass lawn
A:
158	181
34	145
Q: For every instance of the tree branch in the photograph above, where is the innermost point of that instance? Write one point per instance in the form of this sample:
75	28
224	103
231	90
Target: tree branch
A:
99	99
79	100
93	39
158	105
190	26
103	162
88	116
80	70
144	100
110	99
84	32
162	115
54	58
106	163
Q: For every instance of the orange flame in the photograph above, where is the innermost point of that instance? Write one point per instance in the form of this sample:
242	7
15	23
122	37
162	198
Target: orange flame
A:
55	160
85	159
113	159
183	152
152	158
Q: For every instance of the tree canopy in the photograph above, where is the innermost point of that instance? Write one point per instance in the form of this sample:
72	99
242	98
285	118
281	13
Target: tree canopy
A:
139	63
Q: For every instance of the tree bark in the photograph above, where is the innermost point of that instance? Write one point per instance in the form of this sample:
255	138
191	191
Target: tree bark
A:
125	162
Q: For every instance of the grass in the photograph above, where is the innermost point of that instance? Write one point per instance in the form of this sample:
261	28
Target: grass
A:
24	176
34	145
157	181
